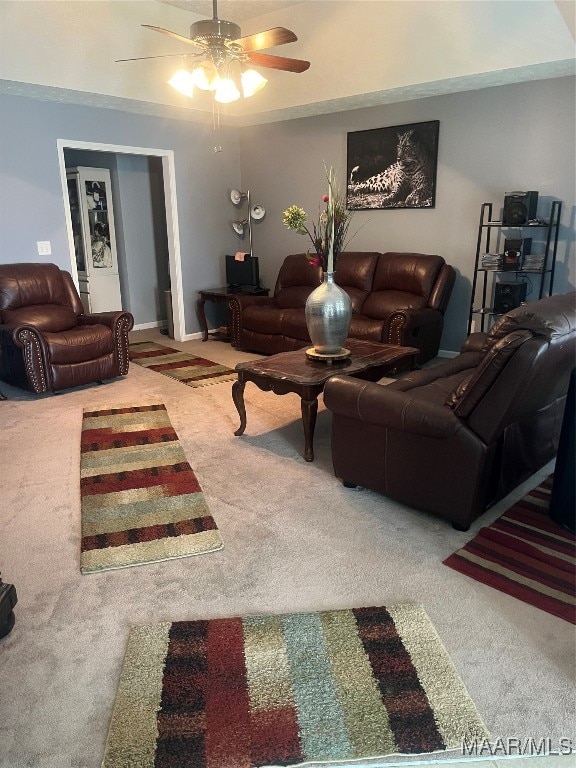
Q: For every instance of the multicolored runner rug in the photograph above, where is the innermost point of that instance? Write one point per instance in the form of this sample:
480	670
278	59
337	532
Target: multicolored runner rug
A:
280	690
140	499
527	555
193	371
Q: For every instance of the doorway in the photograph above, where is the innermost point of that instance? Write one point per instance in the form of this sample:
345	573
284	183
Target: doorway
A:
166	158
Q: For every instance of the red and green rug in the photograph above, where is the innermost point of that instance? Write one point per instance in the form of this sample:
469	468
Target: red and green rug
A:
525	554
190	370
140	499
285	689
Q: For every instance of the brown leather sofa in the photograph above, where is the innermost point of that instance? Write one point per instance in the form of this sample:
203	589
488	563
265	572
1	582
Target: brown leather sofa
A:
455	438
397	298
47	343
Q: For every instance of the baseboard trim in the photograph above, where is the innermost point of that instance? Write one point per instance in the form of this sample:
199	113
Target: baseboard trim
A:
145	326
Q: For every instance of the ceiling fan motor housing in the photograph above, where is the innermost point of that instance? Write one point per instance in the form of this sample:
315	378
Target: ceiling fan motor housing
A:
208	30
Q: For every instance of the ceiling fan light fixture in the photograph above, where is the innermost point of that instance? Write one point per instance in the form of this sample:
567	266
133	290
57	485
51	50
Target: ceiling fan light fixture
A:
183	82
226	91
252	82
205	76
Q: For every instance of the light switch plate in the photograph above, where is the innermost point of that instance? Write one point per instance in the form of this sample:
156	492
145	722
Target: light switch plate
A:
44	247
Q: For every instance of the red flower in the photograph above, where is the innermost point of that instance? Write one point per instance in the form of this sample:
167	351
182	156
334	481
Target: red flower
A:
325	198
314	259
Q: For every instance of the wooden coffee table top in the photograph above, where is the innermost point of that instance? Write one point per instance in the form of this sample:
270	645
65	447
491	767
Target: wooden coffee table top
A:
296	367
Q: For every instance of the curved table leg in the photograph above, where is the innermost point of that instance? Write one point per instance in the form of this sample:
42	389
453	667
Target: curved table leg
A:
309	411
238	397
202	317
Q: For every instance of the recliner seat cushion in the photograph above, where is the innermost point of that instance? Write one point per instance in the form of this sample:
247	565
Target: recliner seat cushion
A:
380	304
81	344
262	319
294	324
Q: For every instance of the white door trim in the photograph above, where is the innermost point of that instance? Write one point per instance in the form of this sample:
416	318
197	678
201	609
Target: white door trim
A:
169	173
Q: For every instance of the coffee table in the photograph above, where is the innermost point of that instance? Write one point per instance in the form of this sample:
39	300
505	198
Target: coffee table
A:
294	372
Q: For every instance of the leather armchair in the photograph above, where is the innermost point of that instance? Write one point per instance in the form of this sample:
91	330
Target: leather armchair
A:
455	438
47	343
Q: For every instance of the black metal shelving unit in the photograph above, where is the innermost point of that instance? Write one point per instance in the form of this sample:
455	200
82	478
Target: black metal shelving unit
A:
481	282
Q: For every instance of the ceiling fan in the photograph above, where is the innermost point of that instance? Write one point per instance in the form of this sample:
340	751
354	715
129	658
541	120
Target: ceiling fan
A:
221	61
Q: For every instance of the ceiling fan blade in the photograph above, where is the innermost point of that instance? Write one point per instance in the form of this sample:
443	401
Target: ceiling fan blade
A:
162	56
278	62
170	34
267	39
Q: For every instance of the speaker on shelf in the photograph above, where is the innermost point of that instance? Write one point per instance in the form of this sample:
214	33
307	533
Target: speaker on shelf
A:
519	208
508	296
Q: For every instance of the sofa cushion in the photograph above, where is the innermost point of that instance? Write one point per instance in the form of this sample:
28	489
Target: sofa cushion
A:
296	281
381	304
466	396
355	273
410	272
362	327
262	319
293	324
80	344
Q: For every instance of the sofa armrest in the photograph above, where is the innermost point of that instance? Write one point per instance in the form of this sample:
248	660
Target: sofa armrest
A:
119	323
379	405
34	351
474	342
110	319
237	303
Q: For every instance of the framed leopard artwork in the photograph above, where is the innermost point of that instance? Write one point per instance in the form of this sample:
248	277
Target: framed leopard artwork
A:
393	167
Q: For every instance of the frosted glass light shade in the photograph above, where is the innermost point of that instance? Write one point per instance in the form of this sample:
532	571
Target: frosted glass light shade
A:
205	76
182	81
226	91
252	82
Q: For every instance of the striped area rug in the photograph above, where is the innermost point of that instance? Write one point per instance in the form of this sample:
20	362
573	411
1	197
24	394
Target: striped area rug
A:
140	499
527	555
192	371
281	690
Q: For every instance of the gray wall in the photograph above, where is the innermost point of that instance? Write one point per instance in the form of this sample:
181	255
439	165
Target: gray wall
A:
31	196
493	141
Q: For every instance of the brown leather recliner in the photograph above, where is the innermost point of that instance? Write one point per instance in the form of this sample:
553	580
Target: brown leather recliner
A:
455	438
397	298
47	343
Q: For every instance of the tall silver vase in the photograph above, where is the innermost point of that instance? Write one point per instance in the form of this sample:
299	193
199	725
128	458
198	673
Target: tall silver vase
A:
328	316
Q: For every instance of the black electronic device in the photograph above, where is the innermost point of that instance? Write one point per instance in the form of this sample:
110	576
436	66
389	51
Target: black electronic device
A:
508	296
519	208
8	600
242	274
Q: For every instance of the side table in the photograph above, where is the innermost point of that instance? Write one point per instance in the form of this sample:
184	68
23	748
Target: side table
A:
220	296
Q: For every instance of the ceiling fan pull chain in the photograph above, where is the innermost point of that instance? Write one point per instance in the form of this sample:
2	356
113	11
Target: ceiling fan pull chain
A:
216	125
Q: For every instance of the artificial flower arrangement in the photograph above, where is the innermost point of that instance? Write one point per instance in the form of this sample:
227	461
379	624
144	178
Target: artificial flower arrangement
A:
328	235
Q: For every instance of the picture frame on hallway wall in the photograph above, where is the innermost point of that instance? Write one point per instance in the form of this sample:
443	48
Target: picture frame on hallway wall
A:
392	167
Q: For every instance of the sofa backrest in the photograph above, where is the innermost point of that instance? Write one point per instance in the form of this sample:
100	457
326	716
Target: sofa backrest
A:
355	273
296	280
38	295
524	367
402	281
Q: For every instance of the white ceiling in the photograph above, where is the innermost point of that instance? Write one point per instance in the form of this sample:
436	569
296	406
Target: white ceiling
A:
362	52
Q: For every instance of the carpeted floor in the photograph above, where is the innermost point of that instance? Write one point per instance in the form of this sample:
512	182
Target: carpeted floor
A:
295	540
